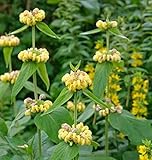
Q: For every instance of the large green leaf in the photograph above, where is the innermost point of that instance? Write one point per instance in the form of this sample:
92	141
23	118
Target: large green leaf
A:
63	97
116	32
130	155
97	30
27	70
42	71
7	52
52	122
20	29
94	98
64	151
46	30
87	113
3	127
30	86
102	73
136	129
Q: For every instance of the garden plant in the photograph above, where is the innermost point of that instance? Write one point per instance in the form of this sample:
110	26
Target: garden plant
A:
76	86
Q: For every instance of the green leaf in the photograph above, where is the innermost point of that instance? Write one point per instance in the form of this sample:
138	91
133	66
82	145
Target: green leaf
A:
95	156
116	32
131	126
3	127
97	30
19	30
63	97
94	98
130	155
52	122
42	71
7	52
27	70
95	144
102	73
30	86
53	1
4	87
64	151
46	30
88	112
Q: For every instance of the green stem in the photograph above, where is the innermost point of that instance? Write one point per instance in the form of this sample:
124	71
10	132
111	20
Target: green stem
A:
40	143
33	37
128	97
106	136
36	96
35	86
10	65
107	41
75	109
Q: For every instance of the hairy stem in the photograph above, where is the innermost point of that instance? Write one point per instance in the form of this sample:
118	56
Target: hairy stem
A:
107	41
75	109
33	37
106	136
36	96
35	86
107	93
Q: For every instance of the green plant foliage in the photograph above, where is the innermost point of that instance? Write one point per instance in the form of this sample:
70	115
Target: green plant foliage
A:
30	86
27	69
19	30
7	51
89	111
43	74
3	128
64	151
51	122
94	98
102	72
131	126
63	97
130	155
46	30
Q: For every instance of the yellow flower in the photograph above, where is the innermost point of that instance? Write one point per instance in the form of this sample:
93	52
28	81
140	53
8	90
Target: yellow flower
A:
30	18
136	55
112	55
80	106
36	106
9	41
143	157
142	149
78	134
76	80
9	77
106	25
36	55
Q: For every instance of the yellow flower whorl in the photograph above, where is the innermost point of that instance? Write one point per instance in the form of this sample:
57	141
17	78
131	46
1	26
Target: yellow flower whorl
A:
76	80
9	41
36	55
79	135
9	77
106	25
80	106
112	56
31	17
36	106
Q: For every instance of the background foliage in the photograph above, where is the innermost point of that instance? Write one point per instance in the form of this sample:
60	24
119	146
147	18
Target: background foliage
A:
68	18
